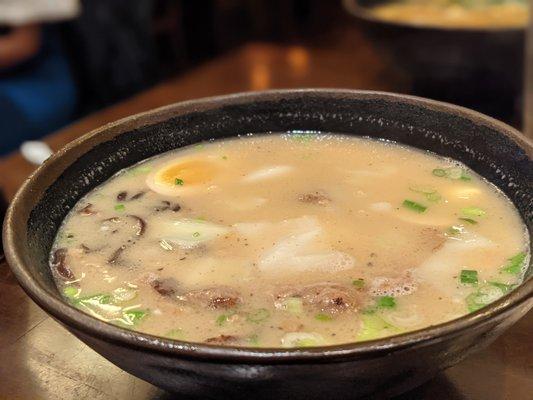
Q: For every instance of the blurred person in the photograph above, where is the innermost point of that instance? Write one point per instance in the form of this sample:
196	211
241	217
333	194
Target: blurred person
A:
37	91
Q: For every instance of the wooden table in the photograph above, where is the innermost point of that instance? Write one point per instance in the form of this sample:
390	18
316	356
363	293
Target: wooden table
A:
41	360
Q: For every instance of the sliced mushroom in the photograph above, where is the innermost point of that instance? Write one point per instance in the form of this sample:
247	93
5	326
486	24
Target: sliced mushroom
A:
87	210
220	297
116	254
122	196
58	263
165	286
165	205
318	197
327	297
137	196
141	223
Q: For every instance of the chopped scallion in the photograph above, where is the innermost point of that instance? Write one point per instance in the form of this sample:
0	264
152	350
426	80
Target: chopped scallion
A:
120	207
439	172
323	317
258	316
454	230
465	177
253	340
502	286
422	189
434	197
515	264
175	333
468	276
294	305
178	182
374	327
133	317
473	212
358	283
414	206
71	292
223	319
452	173
140	170
483	296
96	299
469	220
386	302
196	234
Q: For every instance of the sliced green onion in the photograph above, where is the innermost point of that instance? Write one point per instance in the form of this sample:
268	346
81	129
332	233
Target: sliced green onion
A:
178	182
258	316
120	207
473	212
434	197
454	172
175	333
502	286
374	327
439	172
133	317
465	177
124	294
469	220
422	189
196	234
515	264
294	305
483	296
302	339
96	299
140	170
454	230
306	342
253	340
468	276
386	302
414	206
223	319
358	283
323	317
71	292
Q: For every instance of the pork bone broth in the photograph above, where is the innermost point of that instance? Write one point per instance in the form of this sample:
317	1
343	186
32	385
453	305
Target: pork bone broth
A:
289	240
483	14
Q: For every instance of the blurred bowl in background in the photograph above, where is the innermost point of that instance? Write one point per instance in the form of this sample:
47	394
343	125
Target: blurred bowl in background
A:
474	66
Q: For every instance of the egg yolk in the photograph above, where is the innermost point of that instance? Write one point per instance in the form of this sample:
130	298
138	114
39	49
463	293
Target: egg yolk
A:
185	173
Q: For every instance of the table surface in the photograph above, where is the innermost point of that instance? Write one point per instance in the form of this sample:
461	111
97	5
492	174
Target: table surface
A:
41	360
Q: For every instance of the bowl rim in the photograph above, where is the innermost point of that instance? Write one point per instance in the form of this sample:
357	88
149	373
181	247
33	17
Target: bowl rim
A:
363	13
88	325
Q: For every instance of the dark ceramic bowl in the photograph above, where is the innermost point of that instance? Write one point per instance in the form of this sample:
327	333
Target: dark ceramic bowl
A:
474	67
381	367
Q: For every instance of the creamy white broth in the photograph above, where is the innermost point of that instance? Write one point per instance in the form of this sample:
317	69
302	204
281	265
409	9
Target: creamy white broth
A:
483	14
289	240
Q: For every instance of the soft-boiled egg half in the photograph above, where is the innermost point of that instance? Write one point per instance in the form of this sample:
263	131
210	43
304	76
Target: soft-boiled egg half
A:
183	175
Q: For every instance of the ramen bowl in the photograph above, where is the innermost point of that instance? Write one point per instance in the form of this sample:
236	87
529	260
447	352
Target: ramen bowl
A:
477	67
382	367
